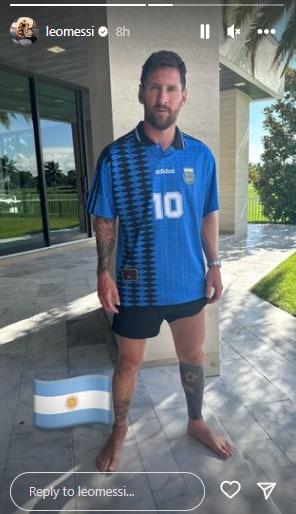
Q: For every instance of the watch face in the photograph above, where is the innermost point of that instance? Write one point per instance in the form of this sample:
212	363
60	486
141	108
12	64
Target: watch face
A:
214	263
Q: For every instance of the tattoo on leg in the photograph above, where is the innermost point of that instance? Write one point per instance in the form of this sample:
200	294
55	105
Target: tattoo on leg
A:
121	408
192	378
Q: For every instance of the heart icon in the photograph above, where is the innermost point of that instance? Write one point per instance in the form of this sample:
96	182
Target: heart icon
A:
230	489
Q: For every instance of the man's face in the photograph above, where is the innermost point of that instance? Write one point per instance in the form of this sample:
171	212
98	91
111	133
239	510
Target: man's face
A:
162	97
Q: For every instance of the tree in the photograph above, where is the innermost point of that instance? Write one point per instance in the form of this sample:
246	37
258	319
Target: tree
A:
256	15
7	167
254	171
53	174
72	178
276	183
6	118
26	179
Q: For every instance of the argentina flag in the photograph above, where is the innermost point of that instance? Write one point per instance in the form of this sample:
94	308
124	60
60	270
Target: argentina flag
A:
72	401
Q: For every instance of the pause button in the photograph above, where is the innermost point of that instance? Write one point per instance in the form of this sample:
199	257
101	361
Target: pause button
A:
204	31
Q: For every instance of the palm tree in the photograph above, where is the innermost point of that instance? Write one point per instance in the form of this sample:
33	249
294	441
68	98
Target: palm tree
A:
260	15
7	117
7	167
52	173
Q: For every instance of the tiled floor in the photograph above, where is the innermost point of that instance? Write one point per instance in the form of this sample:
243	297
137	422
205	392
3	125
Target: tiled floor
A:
51	328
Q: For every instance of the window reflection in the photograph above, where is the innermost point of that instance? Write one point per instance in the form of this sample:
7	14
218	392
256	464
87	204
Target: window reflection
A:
21	222
61	158
20	212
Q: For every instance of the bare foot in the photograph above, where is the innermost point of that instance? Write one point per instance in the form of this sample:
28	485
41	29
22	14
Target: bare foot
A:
108	458
198	429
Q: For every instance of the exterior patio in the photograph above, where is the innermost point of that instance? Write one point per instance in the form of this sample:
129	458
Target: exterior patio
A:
52	327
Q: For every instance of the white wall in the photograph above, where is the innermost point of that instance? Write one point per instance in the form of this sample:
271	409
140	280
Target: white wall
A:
234	159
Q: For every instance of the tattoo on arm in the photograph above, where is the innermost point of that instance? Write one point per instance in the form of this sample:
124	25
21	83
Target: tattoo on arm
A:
121	408
105	236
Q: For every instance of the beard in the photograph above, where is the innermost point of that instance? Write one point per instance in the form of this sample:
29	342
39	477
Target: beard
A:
161	117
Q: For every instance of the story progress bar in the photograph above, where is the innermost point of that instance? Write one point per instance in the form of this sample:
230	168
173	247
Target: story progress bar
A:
144	5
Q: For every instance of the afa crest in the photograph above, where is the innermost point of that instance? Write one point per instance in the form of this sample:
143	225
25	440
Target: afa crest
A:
188	175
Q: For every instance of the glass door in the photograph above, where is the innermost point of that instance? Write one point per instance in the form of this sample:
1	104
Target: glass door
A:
21	225
62	163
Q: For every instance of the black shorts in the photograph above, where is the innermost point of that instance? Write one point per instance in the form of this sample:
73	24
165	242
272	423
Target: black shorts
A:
144	322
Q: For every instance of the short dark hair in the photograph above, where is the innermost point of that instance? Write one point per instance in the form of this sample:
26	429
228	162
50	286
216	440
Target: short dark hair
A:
162	59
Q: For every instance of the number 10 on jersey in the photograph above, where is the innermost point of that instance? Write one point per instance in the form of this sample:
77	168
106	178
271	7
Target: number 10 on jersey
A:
168	205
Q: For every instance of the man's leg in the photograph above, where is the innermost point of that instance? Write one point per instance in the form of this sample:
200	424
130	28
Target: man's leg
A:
131	353
189	335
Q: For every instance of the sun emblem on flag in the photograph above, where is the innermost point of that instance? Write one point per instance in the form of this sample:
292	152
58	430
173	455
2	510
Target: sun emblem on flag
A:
71	402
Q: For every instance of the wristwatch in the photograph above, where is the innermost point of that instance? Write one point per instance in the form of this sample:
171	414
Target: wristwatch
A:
214	263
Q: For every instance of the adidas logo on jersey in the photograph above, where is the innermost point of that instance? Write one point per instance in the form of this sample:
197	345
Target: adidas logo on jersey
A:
165	171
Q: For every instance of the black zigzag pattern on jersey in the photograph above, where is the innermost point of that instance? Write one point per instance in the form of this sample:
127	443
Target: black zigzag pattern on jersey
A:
132	186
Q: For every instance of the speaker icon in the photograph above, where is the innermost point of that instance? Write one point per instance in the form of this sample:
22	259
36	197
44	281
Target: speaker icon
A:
233	31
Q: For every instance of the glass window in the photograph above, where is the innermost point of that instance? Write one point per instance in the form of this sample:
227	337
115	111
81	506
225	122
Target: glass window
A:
20	209
64	164
62	161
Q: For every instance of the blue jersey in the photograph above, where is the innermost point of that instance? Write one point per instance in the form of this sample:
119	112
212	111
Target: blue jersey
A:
160	197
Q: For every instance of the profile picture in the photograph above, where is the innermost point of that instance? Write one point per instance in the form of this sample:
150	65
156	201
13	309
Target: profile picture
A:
24	31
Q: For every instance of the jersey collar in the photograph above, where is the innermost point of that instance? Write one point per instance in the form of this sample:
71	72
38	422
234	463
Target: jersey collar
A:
141	136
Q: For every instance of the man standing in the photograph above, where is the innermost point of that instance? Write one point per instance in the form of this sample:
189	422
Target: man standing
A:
161	184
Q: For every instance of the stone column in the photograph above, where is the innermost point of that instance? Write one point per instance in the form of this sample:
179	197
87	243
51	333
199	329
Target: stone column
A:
99	85
234	161
148	30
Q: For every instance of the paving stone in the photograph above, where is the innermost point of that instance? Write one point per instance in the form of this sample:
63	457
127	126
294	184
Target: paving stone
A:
91	359
278	370
278	419
236	419
7	406
52	328
248	384
227	352
89	439
272	465
86	329
36	471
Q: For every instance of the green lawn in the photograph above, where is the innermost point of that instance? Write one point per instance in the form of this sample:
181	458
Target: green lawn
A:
17	227
255	209
279	286
251	190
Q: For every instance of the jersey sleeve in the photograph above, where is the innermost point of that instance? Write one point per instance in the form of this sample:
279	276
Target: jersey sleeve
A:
100	201
211	197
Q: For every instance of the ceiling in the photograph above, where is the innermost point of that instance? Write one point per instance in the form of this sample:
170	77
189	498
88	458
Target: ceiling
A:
229	79
69	66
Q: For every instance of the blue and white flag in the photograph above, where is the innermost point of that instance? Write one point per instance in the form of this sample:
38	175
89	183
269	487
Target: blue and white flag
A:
72	401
